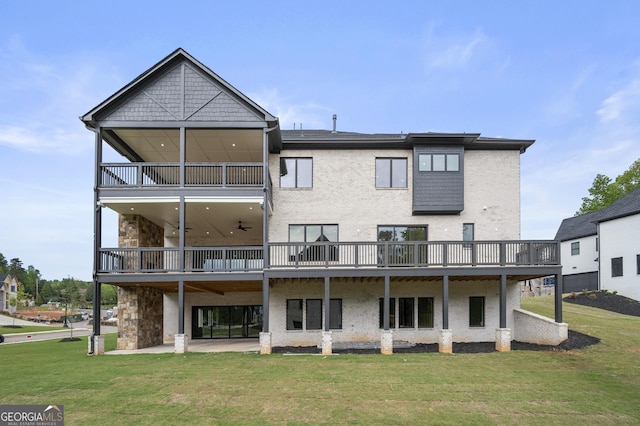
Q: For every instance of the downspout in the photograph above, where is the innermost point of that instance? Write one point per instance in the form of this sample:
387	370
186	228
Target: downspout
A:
265	227
97	238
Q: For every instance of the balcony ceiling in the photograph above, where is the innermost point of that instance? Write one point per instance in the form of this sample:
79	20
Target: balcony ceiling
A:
203	145
209	220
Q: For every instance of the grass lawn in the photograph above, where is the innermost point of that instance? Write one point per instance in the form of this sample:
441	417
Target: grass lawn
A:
28	329
596	385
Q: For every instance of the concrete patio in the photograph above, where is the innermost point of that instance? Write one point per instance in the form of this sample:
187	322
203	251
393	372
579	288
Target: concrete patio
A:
222	345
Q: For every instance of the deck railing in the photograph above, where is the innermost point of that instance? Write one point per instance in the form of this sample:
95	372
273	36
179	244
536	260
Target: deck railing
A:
168	174
332	255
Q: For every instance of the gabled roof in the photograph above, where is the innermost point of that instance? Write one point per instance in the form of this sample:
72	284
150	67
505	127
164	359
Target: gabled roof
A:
147	77
586	224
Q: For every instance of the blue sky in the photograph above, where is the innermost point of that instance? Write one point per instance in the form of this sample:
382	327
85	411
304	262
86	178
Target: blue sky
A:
565	73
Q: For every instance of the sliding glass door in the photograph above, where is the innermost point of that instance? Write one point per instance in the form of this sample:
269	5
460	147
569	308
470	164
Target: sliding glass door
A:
226	322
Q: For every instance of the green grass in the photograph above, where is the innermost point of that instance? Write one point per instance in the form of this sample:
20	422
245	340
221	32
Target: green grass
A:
28	329
596	385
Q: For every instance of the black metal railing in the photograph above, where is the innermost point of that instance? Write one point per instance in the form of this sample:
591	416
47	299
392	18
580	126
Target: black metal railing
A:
168	174
385	254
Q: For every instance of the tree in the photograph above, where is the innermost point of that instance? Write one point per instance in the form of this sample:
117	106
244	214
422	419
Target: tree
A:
605	191
4	265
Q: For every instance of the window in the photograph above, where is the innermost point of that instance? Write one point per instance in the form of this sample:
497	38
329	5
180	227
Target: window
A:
314	314
392	313
313	234
439	163
467	232
405	312
294	314
638	264
296	172
425	312
335	314
575	248
476	311
391	172
616	267
402	254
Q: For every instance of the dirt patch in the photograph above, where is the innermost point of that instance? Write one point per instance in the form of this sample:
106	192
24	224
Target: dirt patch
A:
605	300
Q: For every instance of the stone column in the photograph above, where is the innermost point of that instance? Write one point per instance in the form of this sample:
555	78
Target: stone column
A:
386	342
265	343
181	344
326	343
445	343
503	339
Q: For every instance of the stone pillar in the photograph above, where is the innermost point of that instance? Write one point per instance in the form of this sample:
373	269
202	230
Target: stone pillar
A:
503	339
386	342
265	343
326	343
98	345
445	343
181	344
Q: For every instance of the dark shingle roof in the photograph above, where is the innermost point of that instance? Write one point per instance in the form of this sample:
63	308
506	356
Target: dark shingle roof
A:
585	224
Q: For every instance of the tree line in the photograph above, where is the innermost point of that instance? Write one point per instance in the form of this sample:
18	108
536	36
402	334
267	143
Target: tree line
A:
33	288
605	191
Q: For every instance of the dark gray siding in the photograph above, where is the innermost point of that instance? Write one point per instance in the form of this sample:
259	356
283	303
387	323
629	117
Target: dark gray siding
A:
579	282
438	192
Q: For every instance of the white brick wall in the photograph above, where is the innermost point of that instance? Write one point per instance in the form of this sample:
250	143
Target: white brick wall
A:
534	328
360	305
344	192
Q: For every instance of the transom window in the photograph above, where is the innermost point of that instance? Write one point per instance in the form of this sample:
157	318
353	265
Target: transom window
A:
439	163
296	172
391	172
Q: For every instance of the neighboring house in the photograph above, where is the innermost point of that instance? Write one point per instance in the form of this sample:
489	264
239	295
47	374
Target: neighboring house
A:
8	289
601	250
231	227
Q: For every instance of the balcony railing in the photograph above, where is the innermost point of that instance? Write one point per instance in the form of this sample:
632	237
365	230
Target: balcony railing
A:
120	175
332	255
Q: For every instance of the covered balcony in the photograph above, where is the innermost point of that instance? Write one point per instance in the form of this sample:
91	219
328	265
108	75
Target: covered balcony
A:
324	255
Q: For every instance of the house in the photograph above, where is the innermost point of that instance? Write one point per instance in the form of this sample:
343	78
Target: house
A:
230	226
8	289
601	250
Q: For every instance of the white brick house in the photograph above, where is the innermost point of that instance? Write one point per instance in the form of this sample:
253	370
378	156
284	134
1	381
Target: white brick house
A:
601	250
232	227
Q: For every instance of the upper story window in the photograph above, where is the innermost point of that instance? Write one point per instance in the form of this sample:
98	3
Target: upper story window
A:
575	248
467	231
313	234
402	233
439	163
391	172
296	172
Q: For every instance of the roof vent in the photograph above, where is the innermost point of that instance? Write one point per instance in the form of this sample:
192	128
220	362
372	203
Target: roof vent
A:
335	118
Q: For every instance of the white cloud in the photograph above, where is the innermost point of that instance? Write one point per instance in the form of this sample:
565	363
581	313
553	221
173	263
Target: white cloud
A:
309	115
448	52
618	105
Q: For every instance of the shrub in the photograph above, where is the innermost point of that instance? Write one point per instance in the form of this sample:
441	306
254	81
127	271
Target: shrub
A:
592	296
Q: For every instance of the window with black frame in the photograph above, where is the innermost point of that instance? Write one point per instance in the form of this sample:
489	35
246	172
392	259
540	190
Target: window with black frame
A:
319	236
402	253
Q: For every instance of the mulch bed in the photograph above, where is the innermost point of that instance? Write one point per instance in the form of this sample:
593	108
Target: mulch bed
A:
603	300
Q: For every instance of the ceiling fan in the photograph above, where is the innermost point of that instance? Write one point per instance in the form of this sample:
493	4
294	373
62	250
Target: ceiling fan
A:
242	227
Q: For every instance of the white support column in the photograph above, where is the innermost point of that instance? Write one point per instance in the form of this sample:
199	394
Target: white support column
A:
98	345
503	339
181	344
265	343
327	343
445	343
386	342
